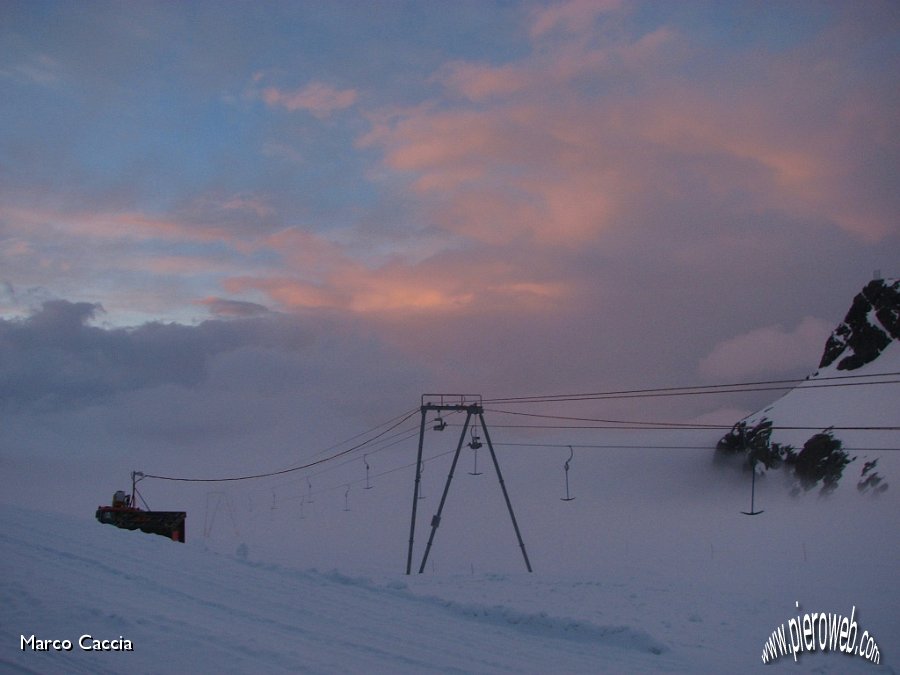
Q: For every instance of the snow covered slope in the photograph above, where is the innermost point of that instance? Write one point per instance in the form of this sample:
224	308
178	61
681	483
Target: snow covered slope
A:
868	400
864	347
185	609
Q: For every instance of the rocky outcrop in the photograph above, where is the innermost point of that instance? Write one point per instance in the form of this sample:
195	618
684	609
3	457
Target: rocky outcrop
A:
871	324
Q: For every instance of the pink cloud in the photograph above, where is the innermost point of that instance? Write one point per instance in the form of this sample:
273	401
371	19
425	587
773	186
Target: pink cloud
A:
480	81
572	16
317	98
531	169
169	265
294	267
526	152
808	164
318	274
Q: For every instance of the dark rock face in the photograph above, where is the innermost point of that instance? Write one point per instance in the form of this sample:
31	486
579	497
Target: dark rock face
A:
871	324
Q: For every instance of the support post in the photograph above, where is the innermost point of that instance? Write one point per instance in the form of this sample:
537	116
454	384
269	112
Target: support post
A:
436	520
512	515
412	525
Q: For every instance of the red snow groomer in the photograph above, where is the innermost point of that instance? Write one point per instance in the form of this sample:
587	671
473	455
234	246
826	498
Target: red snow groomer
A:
125	514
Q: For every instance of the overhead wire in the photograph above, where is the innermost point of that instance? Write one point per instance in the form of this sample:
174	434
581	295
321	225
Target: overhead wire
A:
284	471
674	426
615	446
375	475
405	415
735	387
400	438
384	444
740	387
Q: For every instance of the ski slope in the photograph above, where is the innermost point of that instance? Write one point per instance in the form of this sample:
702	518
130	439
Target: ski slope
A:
186	608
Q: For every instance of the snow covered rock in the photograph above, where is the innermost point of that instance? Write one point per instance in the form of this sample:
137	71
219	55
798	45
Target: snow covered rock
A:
858	414
869	327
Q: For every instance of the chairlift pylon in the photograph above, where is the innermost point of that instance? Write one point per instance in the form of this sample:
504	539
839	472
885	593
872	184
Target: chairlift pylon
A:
568	498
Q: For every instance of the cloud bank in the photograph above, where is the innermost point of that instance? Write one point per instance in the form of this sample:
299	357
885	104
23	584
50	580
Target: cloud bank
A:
510	199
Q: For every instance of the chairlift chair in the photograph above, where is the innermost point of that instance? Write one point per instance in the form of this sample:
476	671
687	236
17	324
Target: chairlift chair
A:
369	485
475	443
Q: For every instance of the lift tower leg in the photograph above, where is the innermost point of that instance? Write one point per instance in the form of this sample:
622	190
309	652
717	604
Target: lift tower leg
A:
412	525
512	515
436	520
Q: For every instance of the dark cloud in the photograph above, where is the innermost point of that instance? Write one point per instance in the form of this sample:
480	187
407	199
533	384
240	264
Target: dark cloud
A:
55	358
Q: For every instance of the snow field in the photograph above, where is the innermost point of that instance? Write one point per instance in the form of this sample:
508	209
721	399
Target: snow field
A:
189	609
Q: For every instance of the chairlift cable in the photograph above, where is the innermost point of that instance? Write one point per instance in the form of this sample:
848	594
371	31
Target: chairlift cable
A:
734	387
673	426
406	415
284	471
612	446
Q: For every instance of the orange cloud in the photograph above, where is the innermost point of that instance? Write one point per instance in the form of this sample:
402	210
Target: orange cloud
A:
443	283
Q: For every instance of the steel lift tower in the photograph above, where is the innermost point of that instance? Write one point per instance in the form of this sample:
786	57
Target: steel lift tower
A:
472	406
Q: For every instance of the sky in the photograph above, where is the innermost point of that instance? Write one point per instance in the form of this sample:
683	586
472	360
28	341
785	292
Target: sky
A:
232	230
